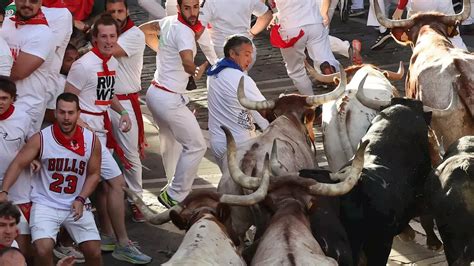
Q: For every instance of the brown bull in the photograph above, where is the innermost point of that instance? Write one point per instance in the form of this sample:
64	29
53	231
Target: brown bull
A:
440	75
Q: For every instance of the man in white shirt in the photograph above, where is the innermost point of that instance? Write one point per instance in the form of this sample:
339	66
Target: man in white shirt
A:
9	220
129	53
225	23
31	42
92	78
182	143
224	107
303	25
6	59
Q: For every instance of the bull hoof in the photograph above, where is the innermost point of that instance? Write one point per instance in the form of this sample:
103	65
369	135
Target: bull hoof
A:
434	244
408	234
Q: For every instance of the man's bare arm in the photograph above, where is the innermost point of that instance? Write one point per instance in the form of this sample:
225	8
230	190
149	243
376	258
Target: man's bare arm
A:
152	31
262	22
25	156
24	65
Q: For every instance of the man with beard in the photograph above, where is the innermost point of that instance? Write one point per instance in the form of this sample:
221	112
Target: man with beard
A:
70	157
15	128
182	143
31	43
129	53
92	77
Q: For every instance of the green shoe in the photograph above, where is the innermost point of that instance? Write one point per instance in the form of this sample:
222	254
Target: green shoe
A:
166	200
131	254
107	243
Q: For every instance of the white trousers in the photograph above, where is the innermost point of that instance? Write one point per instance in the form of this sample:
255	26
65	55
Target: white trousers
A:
316	40
128	141
357	4
182	144
371	18
338	46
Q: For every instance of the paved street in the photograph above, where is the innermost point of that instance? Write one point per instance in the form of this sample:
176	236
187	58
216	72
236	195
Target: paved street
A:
270	74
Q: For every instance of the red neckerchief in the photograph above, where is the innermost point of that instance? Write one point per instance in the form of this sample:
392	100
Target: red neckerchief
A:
195	28
39	19
128	25
7	113
75	143
96	51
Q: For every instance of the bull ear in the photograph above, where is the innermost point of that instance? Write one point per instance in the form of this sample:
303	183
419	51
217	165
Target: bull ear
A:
223	212
308	120
402	36
178	220
452	31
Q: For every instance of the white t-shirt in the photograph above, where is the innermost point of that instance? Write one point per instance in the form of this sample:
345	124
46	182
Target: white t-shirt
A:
6	59
13	134
63	172
225	109
298	13
225	23
35	40
174	38
130	67
60	22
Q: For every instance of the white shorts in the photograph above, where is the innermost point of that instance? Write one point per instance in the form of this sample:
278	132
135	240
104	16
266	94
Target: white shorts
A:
45	222
23	225
108	167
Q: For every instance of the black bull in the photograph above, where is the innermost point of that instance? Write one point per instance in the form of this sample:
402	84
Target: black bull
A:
450	190
396	165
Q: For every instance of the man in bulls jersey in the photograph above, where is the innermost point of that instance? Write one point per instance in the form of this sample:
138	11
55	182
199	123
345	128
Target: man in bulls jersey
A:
70	157
92	78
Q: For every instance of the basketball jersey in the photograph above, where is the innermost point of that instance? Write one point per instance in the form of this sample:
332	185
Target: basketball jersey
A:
62	173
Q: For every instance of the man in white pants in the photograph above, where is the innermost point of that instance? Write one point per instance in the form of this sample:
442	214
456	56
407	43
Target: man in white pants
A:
303	26
182	144
224	107
31	42
225	24
384	34
129	53
70	171
92	78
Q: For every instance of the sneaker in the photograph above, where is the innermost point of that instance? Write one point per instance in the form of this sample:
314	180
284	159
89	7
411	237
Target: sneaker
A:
327	69
61	251
131	254
354	52
107	243
356	12
166	200
137	215
381	40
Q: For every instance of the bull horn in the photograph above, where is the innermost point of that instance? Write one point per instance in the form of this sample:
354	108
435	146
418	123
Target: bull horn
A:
275	164
255	197
315	75
370	103
249	104
389	23
453	19
443	112
395	76
236	173
330	96
351	175
150	215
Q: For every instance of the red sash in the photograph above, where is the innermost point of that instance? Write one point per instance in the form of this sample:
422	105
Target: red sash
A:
111	141
25	208
154	83
133	97
278	42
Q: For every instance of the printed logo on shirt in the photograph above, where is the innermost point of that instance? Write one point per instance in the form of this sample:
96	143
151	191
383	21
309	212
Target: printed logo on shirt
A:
14	52
16	142
245	120
105	88
62	183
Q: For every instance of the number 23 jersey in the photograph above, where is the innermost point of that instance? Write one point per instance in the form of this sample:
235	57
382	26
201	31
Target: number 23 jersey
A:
63	172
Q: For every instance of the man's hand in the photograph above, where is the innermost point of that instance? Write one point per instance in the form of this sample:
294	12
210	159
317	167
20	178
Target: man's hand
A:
77	208
3	196
200	72
125	123
66	261
274	21
325	20
35	166
81	26
397	14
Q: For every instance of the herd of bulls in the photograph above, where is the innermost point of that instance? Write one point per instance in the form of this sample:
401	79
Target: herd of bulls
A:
386	159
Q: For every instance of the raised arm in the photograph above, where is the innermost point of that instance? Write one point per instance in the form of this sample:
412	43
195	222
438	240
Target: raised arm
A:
152	32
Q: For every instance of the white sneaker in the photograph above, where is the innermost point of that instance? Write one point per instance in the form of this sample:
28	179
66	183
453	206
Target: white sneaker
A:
61	251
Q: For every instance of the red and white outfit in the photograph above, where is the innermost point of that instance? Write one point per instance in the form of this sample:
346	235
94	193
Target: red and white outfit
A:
60	180
60	22
225	110
301	28
6	59
33	37
15	128
127	88
225	23
182	143
95	78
